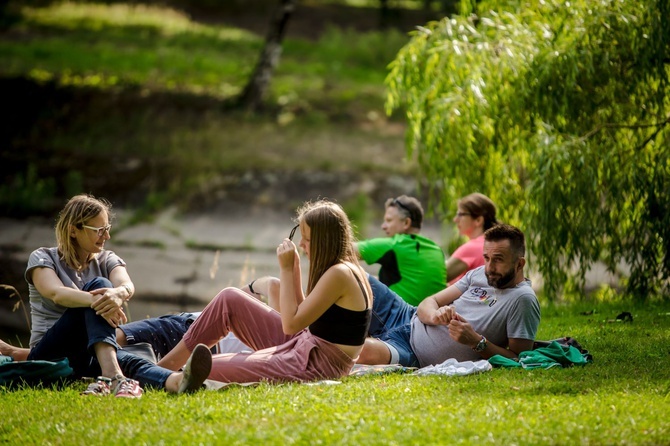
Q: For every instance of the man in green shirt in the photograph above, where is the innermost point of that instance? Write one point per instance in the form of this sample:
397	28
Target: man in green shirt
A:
411	265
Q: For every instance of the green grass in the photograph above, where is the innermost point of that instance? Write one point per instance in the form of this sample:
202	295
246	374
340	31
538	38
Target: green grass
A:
623	397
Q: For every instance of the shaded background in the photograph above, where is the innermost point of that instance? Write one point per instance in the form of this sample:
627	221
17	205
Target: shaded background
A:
188	226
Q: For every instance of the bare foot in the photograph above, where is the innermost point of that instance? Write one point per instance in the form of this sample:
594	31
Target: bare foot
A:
18	353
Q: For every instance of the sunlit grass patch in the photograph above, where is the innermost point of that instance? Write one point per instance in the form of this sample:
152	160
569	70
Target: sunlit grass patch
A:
623	397
105	46
162	49
95	17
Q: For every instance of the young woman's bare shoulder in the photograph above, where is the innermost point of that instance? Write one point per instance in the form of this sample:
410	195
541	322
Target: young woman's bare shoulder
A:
336	279
340	272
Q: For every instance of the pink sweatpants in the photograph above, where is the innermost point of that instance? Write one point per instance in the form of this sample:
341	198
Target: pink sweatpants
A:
278	357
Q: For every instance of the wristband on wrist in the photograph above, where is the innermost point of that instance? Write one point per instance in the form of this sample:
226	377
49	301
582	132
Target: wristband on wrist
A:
127	289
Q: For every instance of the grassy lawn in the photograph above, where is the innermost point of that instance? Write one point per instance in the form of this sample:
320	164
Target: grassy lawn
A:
623	397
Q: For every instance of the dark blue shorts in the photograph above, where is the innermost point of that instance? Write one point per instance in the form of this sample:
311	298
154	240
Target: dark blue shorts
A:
398	338
163	333
391	322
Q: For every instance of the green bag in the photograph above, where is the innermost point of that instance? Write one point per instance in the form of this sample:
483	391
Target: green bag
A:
37	372
553	355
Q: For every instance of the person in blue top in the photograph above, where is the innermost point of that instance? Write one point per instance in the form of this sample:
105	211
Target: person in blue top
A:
413	266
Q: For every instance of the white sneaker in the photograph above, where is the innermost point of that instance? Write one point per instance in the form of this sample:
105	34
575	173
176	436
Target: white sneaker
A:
196	370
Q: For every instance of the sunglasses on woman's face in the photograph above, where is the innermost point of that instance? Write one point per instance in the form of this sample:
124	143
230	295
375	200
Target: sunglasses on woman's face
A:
100	231
290	236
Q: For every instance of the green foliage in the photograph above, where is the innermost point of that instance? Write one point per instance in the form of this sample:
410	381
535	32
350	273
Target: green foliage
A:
558	112
369	50
27	193
623	397
154	202
106	46
359	211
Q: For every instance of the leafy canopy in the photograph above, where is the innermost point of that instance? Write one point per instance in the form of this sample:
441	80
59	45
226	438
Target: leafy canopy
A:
558	110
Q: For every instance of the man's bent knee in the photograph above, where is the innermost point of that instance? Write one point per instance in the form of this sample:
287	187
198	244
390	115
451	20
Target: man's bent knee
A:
374	352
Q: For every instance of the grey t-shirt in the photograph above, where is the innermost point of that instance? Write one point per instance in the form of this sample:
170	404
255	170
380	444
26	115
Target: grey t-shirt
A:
45	312
494	313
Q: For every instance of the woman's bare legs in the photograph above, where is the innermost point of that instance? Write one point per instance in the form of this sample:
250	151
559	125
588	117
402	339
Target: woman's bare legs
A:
121	338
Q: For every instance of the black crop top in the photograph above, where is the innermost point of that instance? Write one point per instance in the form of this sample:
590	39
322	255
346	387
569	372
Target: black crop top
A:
342	326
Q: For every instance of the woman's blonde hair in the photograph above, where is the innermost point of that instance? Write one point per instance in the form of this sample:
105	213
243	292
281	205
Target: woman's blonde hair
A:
331	238
77	212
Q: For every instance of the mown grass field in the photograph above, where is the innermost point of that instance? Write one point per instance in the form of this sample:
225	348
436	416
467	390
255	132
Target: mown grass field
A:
623	397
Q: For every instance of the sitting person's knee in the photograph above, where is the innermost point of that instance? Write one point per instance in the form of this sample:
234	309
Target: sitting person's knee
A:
374	352
228	296
97	283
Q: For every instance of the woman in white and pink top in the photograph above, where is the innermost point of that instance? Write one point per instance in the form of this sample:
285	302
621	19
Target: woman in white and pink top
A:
476	213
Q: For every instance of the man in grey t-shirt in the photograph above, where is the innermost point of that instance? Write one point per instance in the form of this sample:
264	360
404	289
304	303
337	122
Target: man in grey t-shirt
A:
502	317
491	310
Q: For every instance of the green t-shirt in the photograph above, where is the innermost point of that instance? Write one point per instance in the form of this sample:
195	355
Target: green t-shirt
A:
411	265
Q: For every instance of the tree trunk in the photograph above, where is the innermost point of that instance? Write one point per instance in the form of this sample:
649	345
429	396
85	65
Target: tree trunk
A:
384	14
253	95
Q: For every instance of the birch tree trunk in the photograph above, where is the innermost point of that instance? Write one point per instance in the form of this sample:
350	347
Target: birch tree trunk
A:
253	95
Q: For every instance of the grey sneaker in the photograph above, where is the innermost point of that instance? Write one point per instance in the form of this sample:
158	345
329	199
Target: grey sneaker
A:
196	370
100	387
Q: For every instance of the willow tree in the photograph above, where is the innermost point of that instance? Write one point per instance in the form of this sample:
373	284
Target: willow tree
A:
558	110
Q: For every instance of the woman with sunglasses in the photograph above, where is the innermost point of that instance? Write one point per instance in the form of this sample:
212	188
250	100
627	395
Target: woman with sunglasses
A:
315	336
476	213
77	290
